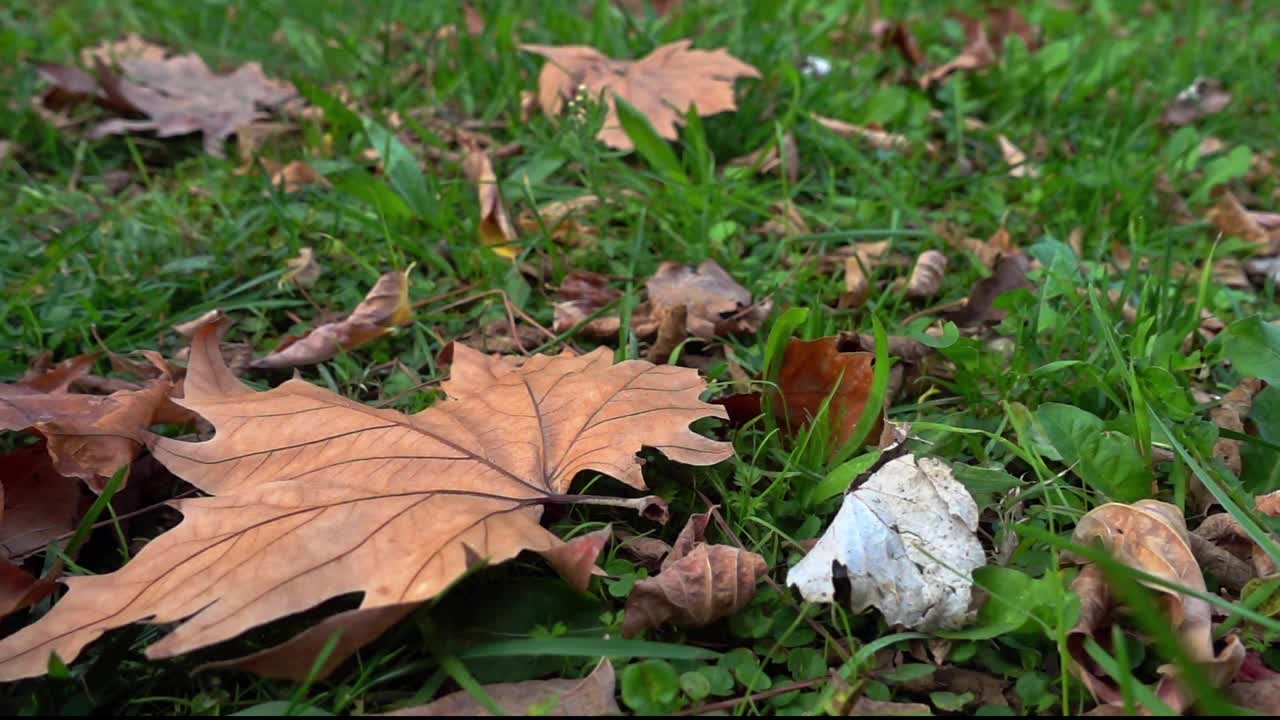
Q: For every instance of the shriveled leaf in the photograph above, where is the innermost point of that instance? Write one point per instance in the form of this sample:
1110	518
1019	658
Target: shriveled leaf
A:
1232	220
863	259
906	542
1010	274
303	270
717	304
698	583
386	306
866	707
1269	504
1013	156
988	251
1231	415
1203	97
495	230
662	85
984	43
581	294
314	496
874	135
926	275
295	176
1150	536
588	697
811	371
561	220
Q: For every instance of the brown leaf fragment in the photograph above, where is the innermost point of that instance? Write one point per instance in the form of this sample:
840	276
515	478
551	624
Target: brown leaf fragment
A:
1230	272
575	560
39	504
875	136
926	275
131	47
560	219
717	304
698	584
188	329
312	496
671	332
591	696
386	306
1224	531
1230	571
866	707
581	294
303	270
662	85
1232	220
1150	536
1262	696
811	370
1269	504
1231	415
984	43
773	157
898	35
863	259
1019	166
295	176
979	308
20	589
1203	97
648	551
495	230
58	378
786	221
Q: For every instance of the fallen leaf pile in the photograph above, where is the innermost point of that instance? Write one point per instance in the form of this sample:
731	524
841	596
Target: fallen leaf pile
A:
662	85
313	496
905	541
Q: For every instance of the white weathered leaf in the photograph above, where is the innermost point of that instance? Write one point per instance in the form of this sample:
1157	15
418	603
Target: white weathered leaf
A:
906	542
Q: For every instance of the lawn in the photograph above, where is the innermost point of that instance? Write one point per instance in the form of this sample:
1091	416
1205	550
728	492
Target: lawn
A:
1053	179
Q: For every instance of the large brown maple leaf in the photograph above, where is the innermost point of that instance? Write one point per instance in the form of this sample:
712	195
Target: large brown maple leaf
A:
314	496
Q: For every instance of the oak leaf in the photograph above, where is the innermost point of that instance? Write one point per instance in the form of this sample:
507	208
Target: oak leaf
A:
662	85
698	583
717	304
313	496
590	696
1150	536
386	306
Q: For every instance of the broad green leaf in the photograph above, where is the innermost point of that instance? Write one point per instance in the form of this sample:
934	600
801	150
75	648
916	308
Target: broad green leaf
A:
1253	347
652	147
1261	473
651	687
401	168
838	480
1106	460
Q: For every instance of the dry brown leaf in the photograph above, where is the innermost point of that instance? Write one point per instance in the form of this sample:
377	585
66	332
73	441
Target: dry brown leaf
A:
1010	274
672	331
296	175
1269	504
1013	156
926	275
252	137
591	696
188	329
898	35
386	306
811	370
875	136
717	304
1262	696
178	95
1230	272
662	85
863	259
1232	220
770	158
866	707
989	251
581	294
495	230
984	42
1205	96
1225	532
560	219
39	505
1150	536
57	378
698	583
786	221
131	47
1231	415
313	496
303	270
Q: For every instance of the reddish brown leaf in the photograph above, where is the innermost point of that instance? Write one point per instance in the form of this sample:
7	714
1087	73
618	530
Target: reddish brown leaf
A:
1262	696
39	505
662	85
698	583
589	697
312	496
1269	504
58	378
811	371
1232	220
386	306
1205	96
979	308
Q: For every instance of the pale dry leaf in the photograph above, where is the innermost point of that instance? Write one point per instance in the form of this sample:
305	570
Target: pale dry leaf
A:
386	306
1152	536
297	175
662	85
1269	504
591	696
874	135
672	322
926	275
717	304
495	230
906	542
1013	156
581	294
303	270
131	47
697	585
1203	97
984	43
312	496
1230	272
188	329
864	258
1232	220
1231	415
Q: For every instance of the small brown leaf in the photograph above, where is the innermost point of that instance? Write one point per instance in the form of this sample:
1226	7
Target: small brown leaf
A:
671	332
188	329
926	276
662	85
386	306
786	221
560	219
874	135
589	697
979	308
58	378
1019	167
770	158
575	560
581	294
1204	97
296	175
495	229
1232	220
698	584
863	259
811	371
1269	504
39	504
1230	415
984	43
717	304
303	270
866	707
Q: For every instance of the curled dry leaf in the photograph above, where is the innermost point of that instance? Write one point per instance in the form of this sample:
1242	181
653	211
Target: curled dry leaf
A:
1231	415
926	276
591	696
989	251
984	43
1232	220
364	500
1013	156
811	371
303	270
786	221
1225	532
717	304
1269	504
873	134
662	85
560	219
863	259
386	306
1150	536
671	332
581	294
906	542
178	95
495	229
697	585
294	176
41	377
1010	274
1203	97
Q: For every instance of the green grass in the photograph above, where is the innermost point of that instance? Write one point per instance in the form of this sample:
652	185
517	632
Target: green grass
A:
79	265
